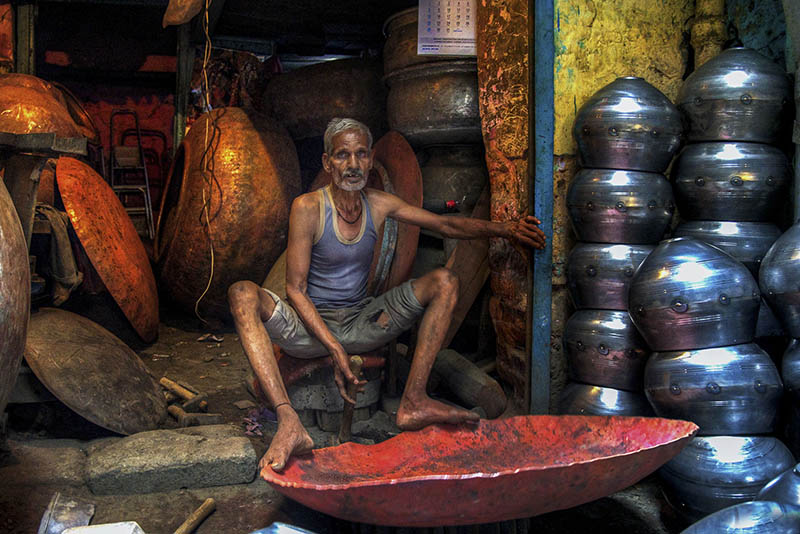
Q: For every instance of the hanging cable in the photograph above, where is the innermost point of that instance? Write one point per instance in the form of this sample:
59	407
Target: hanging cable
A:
207	161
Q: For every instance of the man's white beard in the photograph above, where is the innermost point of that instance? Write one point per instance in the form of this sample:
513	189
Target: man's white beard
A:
345	185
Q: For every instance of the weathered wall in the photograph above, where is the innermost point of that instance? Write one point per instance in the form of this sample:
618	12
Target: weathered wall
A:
761	25
596	42
503	95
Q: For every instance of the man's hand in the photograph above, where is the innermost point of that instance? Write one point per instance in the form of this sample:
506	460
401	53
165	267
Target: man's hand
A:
526	234
343	376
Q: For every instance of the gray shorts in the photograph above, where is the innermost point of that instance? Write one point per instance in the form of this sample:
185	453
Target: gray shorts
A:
356	328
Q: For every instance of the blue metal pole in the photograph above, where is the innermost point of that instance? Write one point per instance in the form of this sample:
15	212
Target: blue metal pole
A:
543	125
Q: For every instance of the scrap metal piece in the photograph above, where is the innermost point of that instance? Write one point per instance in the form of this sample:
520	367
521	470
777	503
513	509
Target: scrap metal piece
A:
492	471
15	294
65	512
93	372
107	234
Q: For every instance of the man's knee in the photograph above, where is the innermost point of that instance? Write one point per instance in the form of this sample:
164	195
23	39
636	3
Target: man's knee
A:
243	297
446	280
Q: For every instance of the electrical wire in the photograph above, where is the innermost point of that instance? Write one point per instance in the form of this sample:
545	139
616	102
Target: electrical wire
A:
209	178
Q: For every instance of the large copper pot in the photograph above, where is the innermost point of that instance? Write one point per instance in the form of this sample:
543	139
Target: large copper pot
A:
31	105
306	99
435	103
253	178
15	291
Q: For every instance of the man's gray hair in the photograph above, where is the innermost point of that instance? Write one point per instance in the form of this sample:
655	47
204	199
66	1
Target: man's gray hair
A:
339	125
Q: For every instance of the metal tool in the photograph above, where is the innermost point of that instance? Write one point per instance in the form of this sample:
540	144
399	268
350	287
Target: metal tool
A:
352	391
194	419
193	401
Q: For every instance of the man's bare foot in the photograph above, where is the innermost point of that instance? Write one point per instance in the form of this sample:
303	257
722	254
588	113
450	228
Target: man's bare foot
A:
291	438
413	415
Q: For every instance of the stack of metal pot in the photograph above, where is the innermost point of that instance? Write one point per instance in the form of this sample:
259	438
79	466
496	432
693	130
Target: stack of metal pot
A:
697	305
433	102
620	205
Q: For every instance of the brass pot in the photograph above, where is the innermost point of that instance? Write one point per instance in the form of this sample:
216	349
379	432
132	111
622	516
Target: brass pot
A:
15	291
306	99
400	50
255	176
435	103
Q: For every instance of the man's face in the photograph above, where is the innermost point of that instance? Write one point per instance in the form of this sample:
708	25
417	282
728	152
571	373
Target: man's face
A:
350	160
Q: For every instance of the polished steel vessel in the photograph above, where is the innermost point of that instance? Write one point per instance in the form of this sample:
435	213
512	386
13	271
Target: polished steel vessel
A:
757	517
689	295
612	206
599	274
747	242
779	278
727	181
435	103
785	488
584	399
790	369
731	390
603	348
739	95
715	472
630	125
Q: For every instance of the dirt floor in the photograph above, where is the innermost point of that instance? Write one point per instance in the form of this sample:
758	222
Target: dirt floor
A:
220	369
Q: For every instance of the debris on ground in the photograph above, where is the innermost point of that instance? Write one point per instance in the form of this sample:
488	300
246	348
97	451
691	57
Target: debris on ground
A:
244	404
210	338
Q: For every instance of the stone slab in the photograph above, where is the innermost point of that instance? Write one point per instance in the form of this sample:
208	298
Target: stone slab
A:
165	460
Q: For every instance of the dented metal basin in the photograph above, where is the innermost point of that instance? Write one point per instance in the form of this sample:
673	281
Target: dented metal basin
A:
493	471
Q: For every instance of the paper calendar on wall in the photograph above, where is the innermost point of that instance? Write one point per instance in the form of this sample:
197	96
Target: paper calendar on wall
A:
446	27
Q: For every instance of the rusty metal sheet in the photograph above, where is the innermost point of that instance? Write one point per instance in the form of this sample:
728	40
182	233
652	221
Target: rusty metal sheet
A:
31	105
107	234
401	163
493	471
93	372
15	294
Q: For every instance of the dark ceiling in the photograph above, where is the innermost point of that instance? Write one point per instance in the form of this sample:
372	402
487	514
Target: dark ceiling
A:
288	27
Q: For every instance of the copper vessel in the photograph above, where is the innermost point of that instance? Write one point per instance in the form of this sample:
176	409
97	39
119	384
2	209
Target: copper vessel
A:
31	105
306	99
15	294
252	177
109	238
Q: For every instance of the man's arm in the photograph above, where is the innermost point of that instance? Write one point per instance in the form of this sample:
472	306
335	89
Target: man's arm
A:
523	232
303	221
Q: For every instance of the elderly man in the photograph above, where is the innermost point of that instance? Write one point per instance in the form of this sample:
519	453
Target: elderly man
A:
332	234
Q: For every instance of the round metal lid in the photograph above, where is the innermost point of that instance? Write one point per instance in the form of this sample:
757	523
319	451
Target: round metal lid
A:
93	372
107	234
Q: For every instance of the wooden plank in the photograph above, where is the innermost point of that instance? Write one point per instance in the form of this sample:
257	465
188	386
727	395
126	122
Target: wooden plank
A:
470	261
25	18
183	83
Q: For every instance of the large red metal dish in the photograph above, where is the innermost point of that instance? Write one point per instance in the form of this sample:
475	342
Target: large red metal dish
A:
494	471
107	234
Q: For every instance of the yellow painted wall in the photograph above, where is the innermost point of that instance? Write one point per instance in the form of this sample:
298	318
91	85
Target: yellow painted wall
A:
598	41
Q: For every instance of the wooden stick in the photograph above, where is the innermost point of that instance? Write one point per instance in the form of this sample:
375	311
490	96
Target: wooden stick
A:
197	517
352	390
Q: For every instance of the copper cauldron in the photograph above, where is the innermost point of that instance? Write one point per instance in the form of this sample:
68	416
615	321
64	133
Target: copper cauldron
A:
15	290
31	105
251	176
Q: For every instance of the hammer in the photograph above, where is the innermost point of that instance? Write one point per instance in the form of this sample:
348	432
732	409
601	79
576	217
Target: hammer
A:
192	401
193	419
352	390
